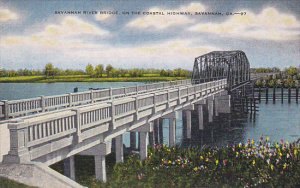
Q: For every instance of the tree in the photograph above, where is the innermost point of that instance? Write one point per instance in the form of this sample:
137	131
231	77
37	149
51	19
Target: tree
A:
109	68
89	69
114	73
291	71
49	70
135	73
163	73
123	72
99	70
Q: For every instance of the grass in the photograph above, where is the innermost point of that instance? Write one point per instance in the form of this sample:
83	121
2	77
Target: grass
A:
7	183
85	78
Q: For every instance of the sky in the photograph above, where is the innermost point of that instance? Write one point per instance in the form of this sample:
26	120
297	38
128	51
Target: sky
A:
33	34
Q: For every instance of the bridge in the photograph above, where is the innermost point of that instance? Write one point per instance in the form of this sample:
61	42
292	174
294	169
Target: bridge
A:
38	132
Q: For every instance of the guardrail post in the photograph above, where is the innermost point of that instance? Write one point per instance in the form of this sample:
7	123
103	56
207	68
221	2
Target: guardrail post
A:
179	97
92	96
78	138
6	109
110	93
112	112
70	99
154	103
168	99
137	89
188	94
136	108
125	93
18	152
43	105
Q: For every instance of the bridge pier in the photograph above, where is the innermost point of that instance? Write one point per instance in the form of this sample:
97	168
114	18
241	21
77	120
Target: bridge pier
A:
160	131
223	104
143	145
155	131
172	128
99	152
201	106
200	117
172	132
69	167
188	115
119	149
210	109
100	167
143	132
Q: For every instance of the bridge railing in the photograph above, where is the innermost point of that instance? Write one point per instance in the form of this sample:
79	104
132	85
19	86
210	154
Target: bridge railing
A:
15	108
34	137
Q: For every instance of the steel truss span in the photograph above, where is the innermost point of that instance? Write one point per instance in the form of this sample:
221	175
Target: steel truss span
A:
216	65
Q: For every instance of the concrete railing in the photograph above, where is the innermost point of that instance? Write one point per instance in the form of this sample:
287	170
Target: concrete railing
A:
15	108
34	137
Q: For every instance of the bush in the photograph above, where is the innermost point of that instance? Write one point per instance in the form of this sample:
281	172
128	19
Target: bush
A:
242	165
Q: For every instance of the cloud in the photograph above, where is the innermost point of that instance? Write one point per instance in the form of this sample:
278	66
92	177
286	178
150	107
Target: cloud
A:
103	17
71	25
67	34
166	54
269	24
7	15
160	22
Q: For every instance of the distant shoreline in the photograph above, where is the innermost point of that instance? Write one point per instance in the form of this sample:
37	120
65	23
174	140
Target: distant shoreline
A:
83	78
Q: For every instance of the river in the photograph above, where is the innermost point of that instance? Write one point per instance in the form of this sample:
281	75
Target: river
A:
277	121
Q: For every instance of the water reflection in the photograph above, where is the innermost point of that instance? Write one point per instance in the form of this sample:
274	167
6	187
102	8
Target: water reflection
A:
277	121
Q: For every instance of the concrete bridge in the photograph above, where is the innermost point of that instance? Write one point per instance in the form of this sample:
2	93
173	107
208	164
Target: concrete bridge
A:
39	132
53	136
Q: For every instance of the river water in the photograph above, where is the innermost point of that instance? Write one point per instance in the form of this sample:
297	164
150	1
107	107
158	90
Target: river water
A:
277	121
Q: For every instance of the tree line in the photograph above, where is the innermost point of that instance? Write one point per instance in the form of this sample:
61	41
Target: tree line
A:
291	71
97	71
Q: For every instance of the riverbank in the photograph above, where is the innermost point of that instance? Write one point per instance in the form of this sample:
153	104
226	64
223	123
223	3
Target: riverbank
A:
85	78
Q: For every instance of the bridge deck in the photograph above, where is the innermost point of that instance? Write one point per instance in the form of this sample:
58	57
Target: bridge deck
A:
52	136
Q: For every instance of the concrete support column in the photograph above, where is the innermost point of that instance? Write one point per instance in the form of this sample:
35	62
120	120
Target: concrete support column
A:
172	132
119	148
210	106
100	168
160	131
143	145
200	117
69	167
222	104
216	101
132	140
155	131
188	115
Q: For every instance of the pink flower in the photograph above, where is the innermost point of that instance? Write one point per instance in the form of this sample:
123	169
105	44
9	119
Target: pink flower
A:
225	162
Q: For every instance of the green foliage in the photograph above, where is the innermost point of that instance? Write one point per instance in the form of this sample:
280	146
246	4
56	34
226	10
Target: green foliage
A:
291	71
108	69
50	70
252	164
99	70
135	73
89	69
6	183
259	83
114	73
